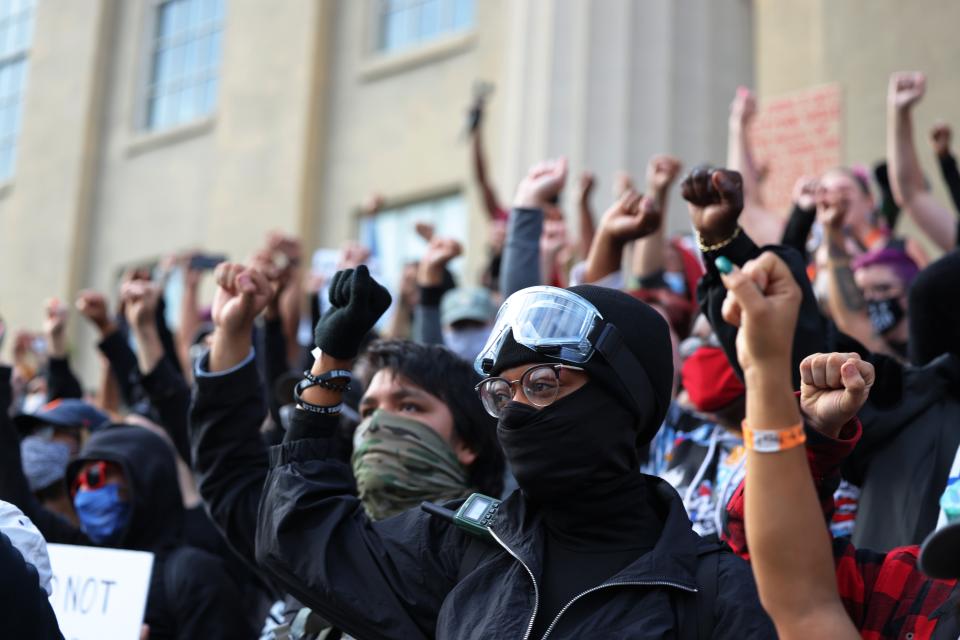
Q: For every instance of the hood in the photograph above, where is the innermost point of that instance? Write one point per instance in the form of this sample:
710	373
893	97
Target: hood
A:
156	519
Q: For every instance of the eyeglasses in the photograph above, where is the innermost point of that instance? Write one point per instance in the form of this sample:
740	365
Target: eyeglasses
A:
540	384
93	477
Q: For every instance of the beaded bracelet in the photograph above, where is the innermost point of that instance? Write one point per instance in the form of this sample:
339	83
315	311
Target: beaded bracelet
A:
773	440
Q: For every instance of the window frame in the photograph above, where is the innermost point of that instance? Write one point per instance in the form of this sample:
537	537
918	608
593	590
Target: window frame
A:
378	29
17	56
146	87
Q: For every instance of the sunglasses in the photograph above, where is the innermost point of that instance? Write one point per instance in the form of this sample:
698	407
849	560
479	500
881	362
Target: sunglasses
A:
92	477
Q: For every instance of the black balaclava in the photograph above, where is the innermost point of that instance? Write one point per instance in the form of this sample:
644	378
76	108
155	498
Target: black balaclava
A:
577	459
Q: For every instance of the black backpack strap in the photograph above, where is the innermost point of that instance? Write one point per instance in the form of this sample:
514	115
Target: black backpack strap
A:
694	611
708	576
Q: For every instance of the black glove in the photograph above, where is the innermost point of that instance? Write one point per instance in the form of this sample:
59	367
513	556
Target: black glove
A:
357	302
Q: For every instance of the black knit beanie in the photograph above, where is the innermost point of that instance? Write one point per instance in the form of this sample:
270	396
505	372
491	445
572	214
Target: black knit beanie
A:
645	334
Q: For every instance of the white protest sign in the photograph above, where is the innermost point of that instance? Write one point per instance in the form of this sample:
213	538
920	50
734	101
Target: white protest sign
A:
99	594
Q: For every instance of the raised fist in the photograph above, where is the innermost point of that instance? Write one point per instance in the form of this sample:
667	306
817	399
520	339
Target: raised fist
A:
832	208
833	388
140	299
439	253
662	170
242	293
542	184
587	182
743	108
805	192
715	198
632	217
92	305
54	327
356	303
906	89
763	300
941	136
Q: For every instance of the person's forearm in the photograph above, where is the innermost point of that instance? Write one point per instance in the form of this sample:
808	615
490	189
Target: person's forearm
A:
229	348
188	326
605	257
845	301
906	177
587	228
149	348
108	391
790	547
740	158
480	173
290	299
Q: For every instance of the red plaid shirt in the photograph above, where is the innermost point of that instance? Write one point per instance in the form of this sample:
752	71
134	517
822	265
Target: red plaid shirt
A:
885	594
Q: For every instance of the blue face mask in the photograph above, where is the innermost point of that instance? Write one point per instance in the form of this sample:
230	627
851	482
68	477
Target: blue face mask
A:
466	343
676	281
103	515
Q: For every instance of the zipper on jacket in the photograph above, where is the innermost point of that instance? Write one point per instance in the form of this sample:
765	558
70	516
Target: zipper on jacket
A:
536	589
637	583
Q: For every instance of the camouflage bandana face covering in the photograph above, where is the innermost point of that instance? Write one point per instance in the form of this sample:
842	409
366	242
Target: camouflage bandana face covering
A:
399	463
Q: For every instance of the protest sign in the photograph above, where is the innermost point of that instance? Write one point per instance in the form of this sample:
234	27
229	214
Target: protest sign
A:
794	135
99	594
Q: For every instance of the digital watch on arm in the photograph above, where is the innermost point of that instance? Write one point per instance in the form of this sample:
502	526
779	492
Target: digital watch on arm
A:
474	515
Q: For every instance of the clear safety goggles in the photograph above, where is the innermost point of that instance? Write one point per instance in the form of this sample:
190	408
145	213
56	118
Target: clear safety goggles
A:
545	319
560	324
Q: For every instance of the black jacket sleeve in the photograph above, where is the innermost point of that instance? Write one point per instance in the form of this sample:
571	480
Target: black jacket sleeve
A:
520	267
228	457
427	328
383	579
123	362
169	395
204	598
274	362
61	383
798	229
13	484
948	168
24	606
813	331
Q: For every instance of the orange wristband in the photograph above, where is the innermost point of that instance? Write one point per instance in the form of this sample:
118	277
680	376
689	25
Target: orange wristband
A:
773	440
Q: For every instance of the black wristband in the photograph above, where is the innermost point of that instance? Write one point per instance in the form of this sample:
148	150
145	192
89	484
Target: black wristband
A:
324	380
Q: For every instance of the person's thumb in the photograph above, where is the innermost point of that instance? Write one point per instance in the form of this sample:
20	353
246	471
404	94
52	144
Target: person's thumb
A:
744	291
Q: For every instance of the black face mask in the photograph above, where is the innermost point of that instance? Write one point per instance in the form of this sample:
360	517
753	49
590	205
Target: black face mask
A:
579	449
885	314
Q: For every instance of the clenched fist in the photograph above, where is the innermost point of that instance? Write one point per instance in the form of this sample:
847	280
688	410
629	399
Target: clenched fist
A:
833	388
715	198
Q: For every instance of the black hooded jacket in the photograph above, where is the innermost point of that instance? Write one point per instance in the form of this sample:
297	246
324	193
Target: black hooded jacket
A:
400	577
191	595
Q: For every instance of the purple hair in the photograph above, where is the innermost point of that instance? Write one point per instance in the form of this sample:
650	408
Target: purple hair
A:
902	264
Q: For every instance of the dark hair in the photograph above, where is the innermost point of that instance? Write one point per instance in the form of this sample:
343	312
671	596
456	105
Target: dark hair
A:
442	373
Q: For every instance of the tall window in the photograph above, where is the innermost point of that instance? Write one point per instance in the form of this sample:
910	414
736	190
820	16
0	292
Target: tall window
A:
404	23
186	62
392	237
16	32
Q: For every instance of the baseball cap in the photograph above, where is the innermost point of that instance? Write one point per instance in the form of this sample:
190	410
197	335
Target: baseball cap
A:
70	413
467	303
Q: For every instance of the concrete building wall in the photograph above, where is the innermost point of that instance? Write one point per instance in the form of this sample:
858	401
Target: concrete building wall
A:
801	43
310	119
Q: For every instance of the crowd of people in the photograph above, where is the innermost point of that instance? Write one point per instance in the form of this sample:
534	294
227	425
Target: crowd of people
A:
747	431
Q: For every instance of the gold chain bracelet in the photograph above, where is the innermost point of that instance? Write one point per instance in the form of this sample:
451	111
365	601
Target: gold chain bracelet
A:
720	245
